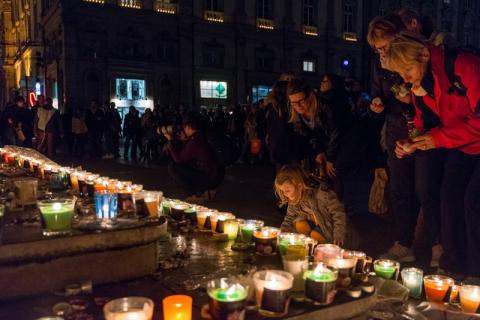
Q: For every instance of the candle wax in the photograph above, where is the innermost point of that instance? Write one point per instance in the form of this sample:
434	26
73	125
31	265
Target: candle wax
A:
320	277
386	272
435	291
470	305
57	218
224	294
247	232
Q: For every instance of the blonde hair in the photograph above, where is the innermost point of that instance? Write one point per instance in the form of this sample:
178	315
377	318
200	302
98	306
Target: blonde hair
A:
404	51
297	177
298	85
384	28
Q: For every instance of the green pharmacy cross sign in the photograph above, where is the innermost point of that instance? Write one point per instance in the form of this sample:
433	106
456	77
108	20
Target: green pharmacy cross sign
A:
221	91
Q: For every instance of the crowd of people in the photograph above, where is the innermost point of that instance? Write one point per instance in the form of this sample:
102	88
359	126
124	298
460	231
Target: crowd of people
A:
421	121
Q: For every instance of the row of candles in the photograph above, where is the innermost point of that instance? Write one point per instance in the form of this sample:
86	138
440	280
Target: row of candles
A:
318	280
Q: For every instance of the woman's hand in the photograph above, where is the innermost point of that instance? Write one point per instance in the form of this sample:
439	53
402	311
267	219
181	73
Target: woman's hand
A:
424	142
404	148
321	158
338	242
330	169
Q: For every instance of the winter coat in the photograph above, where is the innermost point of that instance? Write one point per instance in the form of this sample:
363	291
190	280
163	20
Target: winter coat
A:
459	114
322	207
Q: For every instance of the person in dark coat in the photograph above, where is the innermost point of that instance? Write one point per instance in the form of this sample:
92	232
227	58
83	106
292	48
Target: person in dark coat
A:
95	120
25	117
9	121
195	166
113	128
131	131
48	128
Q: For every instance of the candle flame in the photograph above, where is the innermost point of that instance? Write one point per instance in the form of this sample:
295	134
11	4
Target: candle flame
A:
56	206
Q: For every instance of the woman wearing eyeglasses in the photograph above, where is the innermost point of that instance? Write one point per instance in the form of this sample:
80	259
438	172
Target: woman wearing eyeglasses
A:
447	85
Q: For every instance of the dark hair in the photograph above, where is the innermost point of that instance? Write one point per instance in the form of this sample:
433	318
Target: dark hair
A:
408	15
193	120
297	85
336	80
19	98
387	26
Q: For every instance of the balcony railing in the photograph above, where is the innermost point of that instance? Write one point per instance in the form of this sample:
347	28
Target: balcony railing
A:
133	4
310	30
164	7
95	1
265	24
214	16
350	36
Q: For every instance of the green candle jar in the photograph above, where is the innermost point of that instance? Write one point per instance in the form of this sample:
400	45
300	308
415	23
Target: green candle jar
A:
292	243
320	282
386	269
247	227
227	298
57	215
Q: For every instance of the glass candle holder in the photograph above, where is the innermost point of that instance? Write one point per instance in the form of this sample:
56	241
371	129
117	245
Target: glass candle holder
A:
128	308
227	298
265	241
412	279
345	266
386	269
360	258
204	219
106	206
437	288
112	185
327	251
470	298
101	184
311	244
320	282
178	210
247	228
147	203
231	228
26	191
74	179
57	215
125	197
191	214
218	221
272	290
293	263
177	307
292	243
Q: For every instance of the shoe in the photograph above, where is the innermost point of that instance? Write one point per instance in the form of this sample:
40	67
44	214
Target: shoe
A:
195	199
399	253
437	252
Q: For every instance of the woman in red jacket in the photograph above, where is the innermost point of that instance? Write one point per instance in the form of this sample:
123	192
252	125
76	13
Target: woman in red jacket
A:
450	90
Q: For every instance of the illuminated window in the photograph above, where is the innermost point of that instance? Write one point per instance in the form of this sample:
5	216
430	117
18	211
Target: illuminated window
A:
213	89
348	18
260	92
130	89
308	66
166	6
134	4
95	1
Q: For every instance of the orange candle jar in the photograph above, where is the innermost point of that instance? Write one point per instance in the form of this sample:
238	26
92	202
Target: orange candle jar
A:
436	287
470	298
265	241
177	307
101	184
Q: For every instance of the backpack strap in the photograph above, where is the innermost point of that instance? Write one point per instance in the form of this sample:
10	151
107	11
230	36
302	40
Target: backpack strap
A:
456	84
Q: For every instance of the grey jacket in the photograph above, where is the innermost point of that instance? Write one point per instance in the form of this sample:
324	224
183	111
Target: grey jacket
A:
321	207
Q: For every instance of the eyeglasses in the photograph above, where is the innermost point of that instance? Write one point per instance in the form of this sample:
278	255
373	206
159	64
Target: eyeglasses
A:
298	103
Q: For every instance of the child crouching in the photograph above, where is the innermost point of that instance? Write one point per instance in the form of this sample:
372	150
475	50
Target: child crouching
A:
313	209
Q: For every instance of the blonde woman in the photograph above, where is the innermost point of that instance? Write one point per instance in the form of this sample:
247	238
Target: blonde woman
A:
446	84
312	210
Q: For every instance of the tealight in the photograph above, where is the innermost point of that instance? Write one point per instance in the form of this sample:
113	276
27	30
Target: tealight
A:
470	298
227	298
412	279
320	282
272	290
437	287
265	241
386	269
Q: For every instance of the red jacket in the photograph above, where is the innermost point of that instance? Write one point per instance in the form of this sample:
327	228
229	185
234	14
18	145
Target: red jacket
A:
460	127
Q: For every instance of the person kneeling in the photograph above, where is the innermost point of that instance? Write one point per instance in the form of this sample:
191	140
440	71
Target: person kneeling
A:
313	209
196	166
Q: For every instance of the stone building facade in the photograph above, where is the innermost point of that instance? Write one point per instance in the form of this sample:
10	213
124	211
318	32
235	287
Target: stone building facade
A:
194	52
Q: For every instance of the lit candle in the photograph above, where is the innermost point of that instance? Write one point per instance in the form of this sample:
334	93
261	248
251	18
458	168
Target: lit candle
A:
437	287
147	203
74	179
266	241
57	215
101	184
178	210
292	243
227	298
129	308
470	298
247	227
293	263
177	307
272	288
359	257
191	214
218	221
231	228
345	266
412	279
203	219
320	282
386	269
325	252
106	205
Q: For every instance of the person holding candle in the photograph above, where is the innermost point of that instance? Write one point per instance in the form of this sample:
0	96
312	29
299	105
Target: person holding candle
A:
312	210
196	166
454	97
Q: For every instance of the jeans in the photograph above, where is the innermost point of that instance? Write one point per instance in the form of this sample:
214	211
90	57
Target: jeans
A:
460	214
130	139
